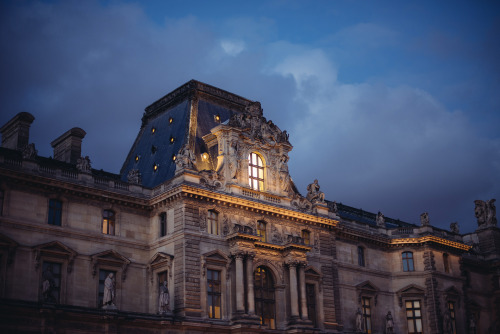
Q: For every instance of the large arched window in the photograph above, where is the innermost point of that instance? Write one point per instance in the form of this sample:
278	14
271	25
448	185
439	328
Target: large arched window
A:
255	171
264	296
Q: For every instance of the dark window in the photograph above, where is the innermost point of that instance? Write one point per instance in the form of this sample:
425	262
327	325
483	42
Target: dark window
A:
261	230
446	262
451	308
361	256
163	224
103	274
51	282
408	261
1	202
414	316
255	172
311	303
214	294
306	236
264	297
108	222
213	222
55	212
367	314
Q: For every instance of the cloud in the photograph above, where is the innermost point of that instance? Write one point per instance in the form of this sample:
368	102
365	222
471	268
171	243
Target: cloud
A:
232	47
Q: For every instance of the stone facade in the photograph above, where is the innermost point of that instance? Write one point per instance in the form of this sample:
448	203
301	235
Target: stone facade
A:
204	230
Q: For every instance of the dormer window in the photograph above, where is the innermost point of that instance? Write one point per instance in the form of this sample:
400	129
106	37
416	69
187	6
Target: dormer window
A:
255	171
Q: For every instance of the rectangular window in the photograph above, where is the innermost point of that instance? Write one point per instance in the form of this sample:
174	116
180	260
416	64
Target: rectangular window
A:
163	224
367	314
451	308
408	261
108	222
213	222
214	293
414	316
306	236
51	282
361	256
55	212
103	274
261	230
311	303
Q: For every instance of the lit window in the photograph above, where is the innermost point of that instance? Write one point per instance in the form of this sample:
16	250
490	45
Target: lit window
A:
213	222
137	157
172	139
217	118
214	294
261	230
367	317
155	167
170	120
255	172
306	236
414	316
163	224
51	282
446	263
153	130
55	212
264	297
361	256
408	261
108	222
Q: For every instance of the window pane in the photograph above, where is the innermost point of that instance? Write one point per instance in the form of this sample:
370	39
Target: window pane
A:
411	328
418	324
416	304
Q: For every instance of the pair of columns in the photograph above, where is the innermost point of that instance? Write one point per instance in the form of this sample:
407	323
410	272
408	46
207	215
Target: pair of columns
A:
294	298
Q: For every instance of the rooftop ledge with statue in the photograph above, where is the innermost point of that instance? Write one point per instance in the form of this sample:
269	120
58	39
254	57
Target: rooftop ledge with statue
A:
205	142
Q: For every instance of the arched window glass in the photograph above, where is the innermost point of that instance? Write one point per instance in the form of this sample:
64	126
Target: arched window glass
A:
255	172
108	222
408	261
261	230
306	236
264	297
361	256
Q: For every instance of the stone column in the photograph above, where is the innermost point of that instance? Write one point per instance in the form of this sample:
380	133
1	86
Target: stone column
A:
294	302
240	289
250	291
303	297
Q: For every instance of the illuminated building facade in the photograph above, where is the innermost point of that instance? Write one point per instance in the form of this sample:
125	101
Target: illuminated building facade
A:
204	230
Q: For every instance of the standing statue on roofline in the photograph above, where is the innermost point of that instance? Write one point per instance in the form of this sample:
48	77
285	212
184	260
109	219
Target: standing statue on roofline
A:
485	212
313	193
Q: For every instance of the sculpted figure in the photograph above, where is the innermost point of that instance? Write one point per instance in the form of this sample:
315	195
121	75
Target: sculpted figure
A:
284	174
163	299
359	321
185	158
233	160
313	193
480	212
454	228
134	176
47	285
380	219
109	290
389	323
485	212
491	214
424	219
29	152
83	164
447	326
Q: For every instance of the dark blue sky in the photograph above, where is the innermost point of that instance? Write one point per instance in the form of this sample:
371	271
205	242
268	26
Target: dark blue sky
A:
391	105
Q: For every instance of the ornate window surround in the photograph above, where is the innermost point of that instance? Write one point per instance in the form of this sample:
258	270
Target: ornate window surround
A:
219	261
161	262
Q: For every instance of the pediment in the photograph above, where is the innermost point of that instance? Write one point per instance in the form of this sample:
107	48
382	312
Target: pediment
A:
110	258
216	255
311	271
367	286
55	249
411	290
160	260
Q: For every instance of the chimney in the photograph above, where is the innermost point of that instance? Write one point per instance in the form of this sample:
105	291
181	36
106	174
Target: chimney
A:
16	132
68	146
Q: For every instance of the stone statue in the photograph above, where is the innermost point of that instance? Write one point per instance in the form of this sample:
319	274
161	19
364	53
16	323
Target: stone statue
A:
447	326
164	299
389	323
380	219
109	291
359	321
83	164
29	152
424	219
454	228
313	193
185	158
485	212
134	176
232	160
335	209
48	285
284	174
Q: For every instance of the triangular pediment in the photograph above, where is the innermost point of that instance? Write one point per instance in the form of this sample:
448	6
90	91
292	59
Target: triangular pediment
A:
368	286
216	255
55	247
160	257
411	289
312	271
110	256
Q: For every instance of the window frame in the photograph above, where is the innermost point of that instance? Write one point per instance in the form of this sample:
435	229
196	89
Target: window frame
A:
213	222
256	171
413	317
361	256
54	213
262	232
163	224
408	261
367	314
446	263
265	304
214	294
107	221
